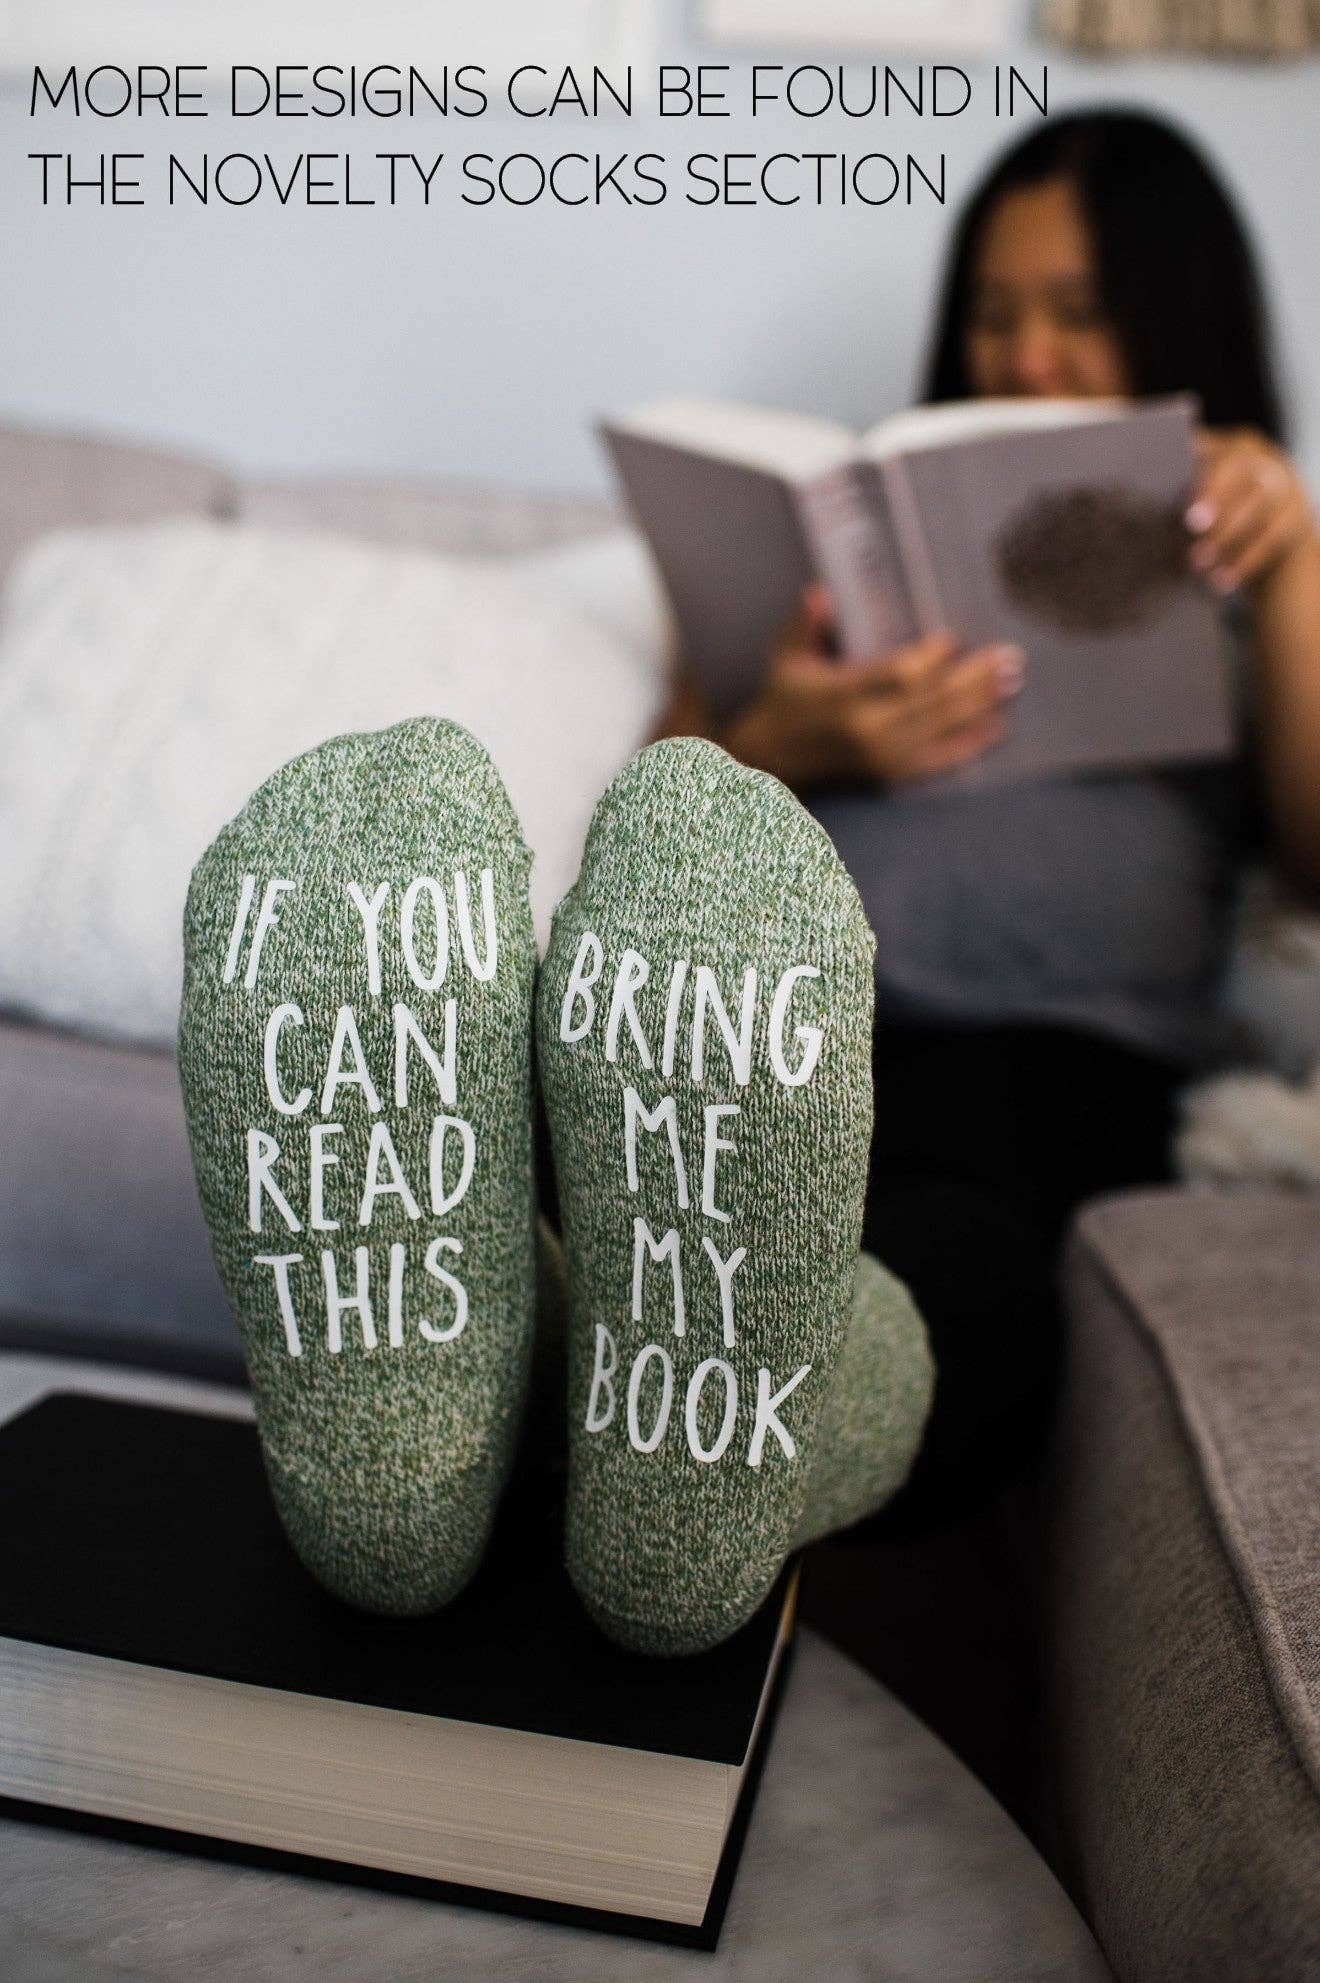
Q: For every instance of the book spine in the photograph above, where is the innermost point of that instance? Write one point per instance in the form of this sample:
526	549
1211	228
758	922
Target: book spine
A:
928	610
846	521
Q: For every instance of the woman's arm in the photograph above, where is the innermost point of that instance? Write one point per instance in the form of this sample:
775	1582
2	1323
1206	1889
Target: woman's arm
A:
1255	532
818	721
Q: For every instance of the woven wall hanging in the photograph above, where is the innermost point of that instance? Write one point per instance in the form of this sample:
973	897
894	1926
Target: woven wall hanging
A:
1262	28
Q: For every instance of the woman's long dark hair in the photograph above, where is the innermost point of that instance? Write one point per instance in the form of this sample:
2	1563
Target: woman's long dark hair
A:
1177	276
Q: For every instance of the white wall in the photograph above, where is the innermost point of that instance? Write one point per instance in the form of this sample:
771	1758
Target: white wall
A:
481	340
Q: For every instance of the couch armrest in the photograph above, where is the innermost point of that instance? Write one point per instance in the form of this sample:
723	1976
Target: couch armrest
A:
1185	1583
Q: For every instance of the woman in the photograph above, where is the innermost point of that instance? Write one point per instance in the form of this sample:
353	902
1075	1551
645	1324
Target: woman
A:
1048	954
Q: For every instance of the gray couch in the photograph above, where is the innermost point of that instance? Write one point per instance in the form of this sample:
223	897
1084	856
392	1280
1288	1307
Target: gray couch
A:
100	1126
1184	1595
1184	1624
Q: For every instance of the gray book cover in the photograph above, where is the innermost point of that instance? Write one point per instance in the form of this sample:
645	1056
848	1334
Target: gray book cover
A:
730	545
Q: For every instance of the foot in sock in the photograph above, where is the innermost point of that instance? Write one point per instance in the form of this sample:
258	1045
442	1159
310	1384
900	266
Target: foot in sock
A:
876	1410
704	1034
874	1415
355	1049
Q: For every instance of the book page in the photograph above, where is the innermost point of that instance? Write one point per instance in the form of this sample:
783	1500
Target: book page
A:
851	533
954	421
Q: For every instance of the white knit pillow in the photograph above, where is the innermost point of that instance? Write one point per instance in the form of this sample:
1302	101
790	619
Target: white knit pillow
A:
151	677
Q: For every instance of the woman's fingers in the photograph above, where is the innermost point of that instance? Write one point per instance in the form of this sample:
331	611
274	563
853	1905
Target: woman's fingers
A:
1257	555
962	747
1250	507
1239	521
816	617
904	670
1227	476
939	719
968	690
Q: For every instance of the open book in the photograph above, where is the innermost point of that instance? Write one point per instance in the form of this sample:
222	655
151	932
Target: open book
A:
1053	524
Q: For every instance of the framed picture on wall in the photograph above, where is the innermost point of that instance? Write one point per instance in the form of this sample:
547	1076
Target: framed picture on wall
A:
919	27
429	35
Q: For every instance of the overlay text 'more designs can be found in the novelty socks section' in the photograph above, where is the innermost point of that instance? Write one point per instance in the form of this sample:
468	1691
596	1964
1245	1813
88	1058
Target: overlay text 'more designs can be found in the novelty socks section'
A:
704	1037
355	1048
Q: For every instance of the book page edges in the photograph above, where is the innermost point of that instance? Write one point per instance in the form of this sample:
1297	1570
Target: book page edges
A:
652	1852
928	609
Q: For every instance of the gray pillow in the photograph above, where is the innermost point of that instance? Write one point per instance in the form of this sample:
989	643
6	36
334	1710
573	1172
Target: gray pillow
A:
54	481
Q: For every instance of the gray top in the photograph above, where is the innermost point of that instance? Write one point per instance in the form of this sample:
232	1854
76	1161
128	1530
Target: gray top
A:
1102	902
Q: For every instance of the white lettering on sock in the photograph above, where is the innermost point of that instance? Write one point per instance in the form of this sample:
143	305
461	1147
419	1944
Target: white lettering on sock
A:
281	1263
631	975
337	1075
692	1406
724	1273
241	914
337	1305
441	1200
712	1144
808	1037
279	1018
766	1420
267	917
661	1423
381	1151
442	1068
433	979
644	1241
578	990
432	1265
706	997
263	1153
483	971
370	914
394	1304
665	1112
673	1008
320	1160
602	1380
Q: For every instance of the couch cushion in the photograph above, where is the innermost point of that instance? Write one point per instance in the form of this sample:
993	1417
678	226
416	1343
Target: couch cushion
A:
150	679
102	1243
1187	1582
457	518
51	480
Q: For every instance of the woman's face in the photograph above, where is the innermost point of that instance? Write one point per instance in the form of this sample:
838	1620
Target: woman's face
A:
1035	325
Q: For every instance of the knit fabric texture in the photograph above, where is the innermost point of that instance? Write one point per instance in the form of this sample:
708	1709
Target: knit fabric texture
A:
876	1409
355	1049
704	1037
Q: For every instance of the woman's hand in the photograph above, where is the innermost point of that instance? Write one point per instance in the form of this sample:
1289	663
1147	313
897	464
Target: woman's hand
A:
912	713
1254	530
1251	512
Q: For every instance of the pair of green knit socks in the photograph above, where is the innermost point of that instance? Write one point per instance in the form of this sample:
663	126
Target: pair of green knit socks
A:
356	1053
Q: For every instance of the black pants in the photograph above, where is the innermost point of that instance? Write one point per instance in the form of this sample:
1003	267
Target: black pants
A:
986	1141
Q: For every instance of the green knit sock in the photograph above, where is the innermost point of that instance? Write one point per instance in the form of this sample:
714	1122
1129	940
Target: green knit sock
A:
704	1027
876	1411
355	1047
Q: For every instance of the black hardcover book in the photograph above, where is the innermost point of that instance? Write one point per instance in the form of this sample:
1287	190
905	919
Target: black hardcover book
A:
168	1668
